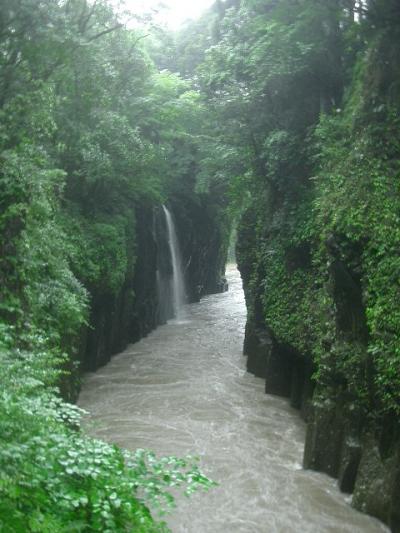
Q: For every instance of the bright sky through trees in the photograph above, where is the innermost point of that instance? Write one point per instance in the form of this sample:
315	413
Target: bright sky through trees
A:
170	12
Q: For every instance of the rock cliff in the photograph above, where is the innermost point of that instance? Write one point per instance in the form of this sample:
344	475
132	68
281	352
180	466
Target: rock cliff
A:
117	320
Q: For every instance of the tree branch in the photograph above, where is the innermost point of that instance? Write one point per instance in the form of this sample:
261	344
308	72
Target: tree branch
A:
108	30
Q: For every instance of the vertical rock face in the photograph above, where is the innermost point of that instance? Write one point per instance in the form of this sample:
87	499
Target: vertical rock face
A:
132	313
286	371
342	440
320	274
145	299
364	456
204	246
377	488
144	317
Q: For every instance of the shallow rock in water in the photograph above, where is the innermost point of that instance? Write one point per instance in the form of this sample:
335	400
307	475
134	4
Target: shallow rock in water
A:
340	443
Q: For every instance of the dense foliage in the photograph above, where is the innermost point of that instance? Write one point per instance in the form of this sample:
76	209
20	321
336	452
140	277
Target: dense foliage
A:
306	105
55	478
286	112
89	131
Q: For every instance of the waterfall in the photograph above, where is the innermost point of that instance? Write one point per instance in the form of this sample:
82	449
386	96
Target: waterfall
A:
177	282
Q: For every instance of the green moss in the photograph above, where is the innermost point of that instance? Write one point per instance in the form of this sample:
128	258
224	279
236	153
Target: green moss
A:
358	197
342	227
102	250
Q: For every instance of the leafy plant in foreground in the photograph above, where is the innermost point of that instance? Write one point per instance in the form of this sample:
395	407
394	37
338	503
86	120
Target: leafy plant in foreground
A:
54	478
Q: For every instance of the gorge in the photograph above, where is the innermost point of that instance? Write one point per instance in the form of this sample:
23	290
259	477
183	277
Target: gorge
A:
266	126
184	389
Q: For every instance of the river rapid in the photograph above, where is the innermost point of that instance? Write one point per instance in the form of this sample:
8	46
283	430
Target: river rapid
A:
184	390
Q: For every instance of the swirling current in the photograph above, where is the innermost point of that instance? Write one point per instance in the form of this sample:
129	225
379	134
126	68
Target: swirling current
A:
184	390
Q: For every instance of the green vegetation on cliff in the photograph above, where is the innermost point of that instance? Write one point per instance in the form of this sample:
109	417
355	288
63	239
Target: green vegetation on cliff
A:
90	134
284	112
307	98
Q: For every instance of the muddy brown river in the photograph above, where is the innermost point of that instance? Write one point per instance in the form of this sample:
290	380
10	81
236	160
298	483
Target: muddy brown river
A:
184	390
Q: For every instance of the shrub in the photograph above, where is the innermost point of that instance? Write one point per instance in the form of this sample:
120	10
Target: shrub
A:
54	478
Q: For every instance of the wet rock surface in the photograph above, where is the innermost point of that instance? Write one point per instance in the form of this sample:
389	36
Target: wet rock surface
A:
140	305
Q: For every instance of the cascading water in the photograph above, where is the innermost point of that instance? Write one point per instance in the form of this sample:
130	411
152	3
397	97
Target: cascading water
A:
178	281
